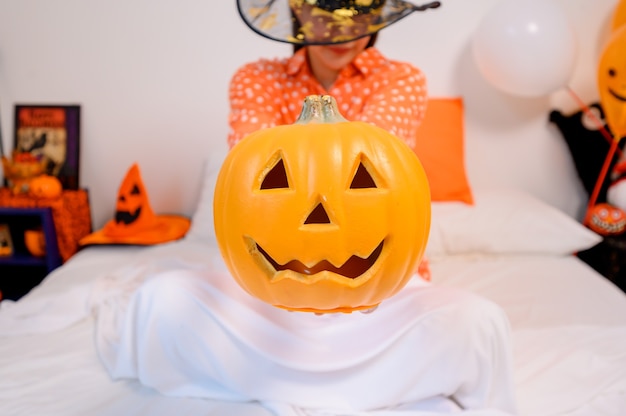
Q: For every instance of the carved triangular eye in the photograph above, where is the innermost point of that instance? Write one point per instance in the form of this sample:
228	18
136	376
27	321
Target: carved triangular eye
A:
362	179
135	190
276	178
318	216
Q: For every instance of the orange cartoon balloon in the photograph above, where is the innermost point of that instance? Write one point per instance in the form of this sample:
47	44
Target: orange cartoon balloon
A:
612	82
619	16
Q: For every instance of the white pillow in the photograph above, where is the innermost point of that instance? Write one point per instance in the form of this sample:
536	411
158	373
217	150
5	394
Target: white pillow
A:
202	229
505	221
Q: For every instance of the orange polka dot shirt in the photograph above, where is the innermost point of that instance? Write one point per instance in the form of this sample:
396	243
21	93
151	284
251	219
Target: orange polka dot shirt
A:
389	94
374	89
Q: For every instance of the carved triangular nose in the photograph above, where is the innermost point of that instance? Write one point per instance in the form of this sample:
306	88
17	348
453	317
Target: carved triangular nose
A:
318	216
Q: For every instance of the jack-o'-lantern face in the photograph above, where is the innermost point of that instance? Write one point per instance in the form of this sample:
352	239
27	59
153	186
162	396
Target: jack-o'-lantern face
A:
322	216
132	209
607	220
612	82
135	222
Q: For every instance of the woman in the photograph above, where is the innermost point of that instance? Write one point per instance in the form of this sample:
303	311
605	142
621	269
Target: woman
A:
334	54
427	350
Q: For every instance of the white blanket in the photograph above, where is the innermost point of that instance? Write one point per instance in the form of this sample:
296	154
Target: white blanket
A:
573	370
191	331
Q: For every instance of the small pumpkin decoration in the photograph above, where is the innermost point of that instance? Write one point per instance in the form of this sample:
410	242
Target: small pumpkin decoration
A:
607	219
21	170
324	215
35	242
45	187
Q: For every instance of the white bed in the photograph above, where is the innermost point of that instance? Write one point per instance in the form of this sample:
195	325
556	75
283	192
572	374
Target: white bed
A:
569	323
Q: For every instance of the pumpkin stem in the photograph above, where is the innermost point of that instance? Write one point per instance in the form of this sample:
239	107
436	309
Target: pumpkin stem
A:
319	109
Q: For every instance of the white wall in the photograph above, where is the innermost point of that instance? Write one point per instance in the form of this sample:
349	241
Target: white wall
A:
152	75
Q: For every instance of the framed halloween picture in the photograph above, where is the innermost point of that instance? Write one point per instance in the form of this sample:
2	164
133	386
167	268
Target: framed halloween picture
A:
6	244
51	133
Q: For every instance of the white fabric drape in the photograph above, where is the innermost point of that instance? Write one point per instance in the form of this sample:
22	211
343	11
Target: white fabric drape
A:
195	333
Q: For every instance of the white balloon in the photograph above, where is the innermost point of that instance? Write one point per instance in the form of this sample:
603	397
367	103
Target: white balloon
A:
616	194
525	48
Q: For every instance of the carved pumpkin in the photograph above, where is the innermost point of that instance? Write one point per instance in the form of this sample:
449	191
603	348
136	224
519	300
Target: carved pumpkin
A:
45	186
324	215
607	219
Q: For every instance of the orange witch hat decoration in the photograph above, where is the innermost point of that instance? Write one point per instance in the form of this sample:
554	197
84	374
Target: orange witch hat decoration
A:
135	222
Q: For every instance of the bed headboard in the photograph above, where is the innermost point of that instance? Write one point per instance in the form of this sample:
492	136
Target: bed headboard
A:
152	78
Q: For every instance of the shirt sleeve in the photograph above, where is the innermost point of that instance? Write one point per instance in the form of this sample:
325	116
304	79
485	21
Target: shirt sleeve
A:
254	101
399	104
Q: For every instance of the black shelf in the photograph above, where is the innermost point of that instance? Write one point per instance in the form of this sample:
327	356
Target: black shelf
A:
21	271
23	260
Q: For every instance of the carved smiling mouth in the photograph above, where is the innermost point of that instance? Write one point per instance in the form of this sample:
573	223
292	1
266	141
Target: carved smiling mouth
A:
127	217
616	95
353	268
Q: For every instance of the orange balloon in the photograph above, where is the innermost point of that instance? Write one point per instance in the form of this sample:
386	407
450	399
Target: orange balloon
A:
619	16
612	82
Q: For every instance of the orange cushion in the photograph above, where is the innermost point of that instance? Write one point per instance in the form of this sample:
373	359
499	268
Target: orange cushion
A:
440	148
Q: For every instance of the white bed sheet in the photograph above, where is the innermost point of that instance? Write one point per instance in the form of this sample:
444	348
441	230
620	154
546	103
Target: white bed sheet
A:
569	329
569	333
58	372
